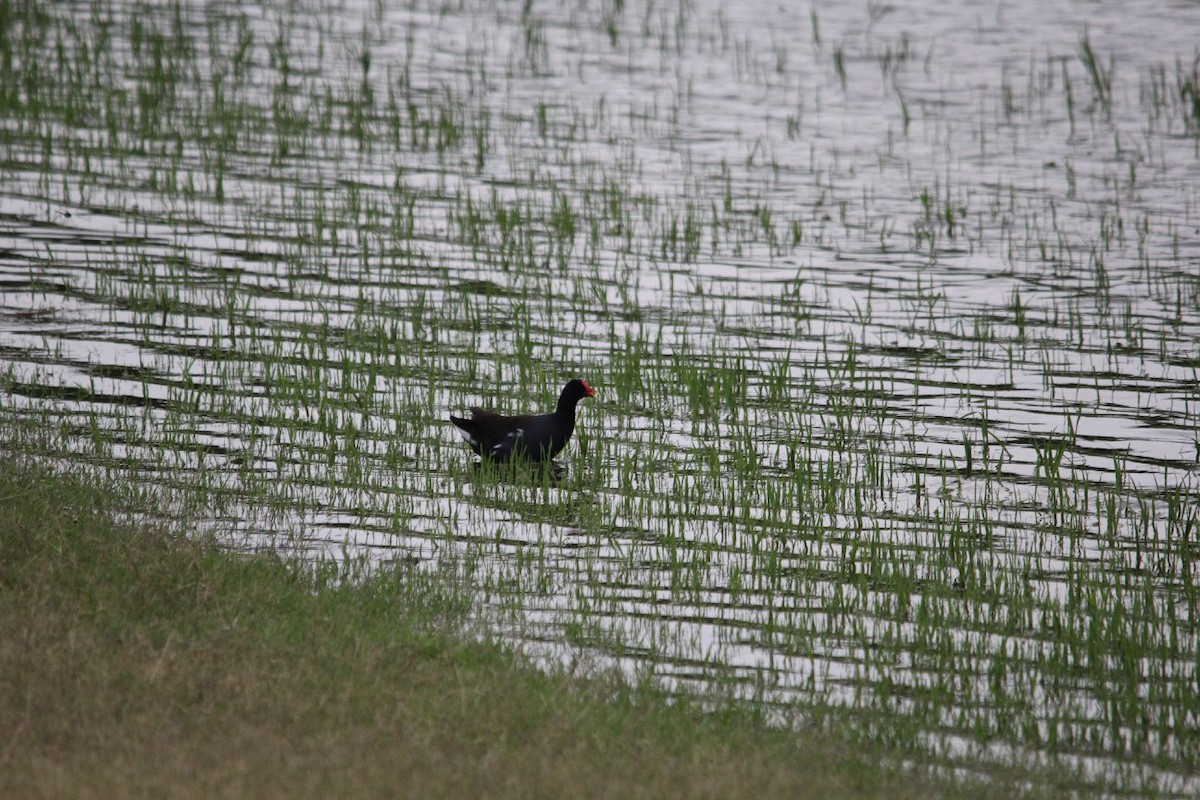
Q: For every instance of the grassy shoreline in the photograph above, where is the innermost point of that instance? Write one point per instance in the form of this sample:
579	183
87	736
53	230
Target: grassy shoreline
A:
894	326
144	663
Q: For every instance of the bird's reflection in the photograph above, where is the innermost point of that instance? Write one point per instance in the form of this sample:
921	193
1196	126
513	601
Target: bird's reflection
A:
520	471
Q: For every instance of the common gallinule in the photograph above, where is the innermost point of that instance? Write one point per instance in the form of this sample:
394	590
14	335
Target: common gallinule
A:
535	437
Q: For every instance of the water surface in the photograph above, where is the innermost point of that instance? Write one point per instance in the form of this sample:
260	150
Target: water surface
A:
894	311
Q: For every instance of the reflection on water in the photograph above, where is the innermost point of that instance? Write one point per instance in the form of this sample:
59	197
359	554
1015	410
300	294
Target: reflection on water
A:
895	314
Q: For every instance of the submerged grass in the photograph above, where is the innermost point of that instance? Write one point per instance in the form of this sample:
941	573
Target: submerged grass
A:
140	663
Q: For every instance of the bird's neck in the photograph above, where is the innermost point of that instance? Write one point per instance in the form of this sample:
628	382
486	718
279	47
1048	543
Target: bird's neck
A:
566	407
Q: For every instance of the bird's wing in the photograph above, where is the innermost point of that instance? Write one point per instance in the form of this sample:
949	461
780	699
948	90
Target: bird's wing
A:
514	439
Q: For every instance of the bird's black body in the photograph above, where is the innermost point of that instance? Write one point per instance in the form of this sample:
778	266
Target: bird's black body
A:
534	437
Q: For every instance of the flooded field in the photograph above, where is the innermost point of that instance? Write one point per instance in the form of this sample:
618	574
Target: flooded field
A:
893	312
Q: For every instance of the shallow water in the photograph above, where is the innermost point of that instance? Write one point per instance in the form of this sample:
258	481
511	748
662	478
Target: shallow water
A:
894	311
